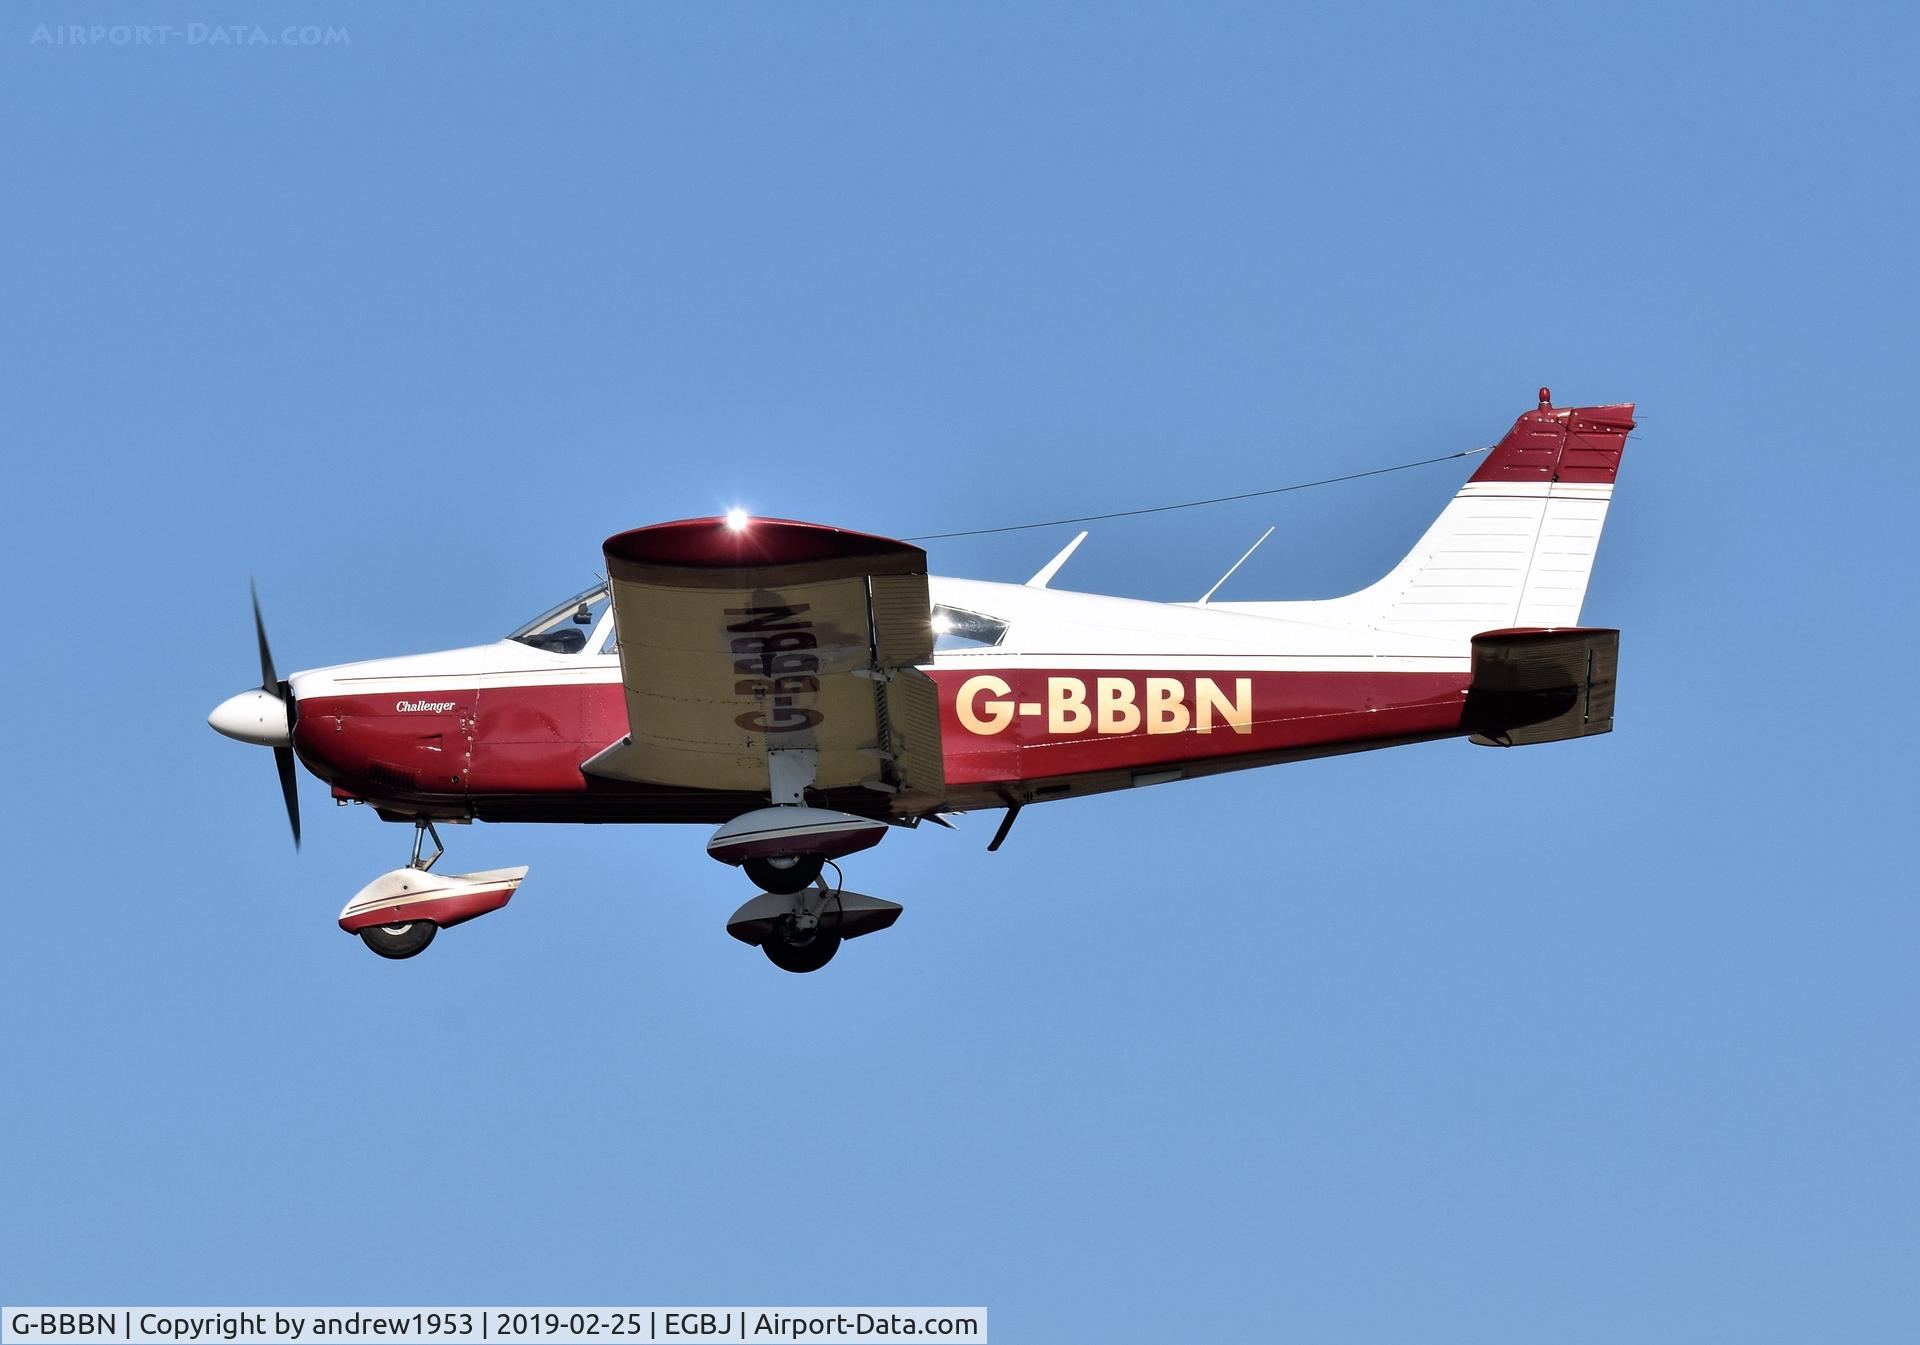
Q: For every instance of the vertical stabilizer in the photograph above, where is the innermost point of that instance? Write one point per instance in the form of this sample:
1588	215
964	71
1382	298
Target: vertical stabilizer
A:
1515	547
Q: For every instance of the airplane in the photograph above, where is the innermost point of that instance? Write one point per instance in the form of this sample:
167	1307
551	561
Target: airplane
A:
808	689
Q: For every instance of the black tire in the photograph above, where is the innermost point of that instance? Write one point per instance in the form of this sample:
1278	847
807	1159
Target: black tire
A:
797	876
400	941
811	955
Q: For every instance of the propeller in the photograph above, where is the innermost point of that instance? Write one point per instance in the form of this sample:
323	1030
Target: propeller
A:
282	752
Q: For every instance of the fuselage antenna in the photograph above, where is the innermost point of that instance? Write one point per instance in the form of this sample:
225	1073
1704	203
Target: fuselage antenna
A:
1052	567
1236	565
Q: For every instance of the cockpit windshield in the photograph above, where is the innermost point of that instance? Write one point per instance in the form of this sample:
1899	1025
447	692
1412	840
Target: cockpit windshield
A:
564	629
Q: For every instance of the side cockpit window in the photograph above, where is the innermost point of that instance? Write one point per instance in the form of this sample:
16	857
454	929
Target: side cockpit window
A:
957	628
564	629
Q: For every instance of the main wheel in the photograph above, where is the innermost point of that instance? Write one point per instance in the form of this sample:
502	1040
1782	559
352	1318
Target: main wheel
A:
398	941
814	953
785	875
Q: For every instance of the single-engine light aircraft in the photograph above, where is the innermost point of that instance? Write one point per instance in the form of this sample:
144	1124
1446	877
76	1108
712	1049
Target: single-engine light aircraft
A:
807	689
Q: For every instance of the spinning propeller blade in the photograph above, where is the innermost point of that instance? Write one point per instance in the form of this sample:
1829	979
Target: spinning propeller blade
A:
270	683
283	758
269	679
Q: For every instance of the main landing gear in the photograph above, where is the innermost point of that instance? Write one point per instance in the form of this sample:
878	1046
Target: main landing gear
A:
801	931
798	921
785	874
808	935
398	914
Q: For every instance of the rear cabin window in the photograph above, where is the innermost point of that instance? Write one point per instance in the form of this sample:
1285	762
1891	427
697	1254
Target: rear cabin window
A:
957	628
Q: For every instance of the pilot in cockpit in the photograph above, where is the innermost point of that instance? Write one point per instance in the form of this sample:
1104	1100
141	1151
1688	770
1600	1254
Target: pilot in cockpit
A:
581	622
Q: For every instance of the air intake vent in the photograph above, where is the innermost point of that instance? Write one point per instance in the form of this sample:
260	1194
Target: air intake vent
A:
392	777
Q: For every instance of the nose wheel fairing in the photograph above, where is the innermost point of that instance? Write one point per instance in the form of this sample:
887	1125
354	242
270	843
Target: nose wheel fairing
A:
409	894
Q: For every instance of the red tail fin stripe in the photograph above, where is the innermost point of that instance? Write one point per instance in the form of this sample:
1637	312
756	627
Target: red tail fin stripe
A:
1581	443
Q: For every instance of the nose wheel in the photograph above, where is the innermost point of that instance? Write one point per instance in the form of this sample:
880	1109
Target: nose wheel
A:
400	941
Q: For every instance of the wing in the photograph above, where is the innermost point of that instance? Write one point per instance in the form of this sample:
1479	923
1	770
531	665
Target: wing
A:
775	637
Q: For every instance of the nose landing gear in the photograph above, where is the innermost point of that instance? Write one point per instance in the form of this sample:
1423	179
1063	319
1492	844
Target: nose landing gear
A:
398	914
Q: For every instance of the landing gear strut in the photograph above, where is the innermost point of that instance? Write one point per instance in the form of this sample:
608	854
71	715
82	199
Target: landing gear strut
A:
423	828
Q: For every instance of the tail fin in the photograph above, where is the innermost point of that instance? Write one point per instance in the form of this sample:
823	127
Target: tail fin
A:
1516	545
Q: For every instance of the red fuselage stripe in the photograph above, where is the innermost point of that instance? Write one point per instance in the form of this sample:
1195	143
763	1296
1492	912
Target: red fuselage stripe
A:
1000	727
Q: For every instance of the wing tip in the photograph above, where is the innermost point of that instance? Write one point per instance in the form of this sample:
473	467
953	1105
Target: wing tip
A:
731	542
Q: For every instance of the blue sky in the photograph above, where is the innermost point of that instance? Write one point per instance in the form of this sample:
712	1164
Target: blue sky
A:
1602	1041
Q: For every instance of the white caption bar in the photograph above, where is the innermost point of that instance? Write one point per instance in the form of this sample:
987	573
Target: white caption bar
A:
483	1326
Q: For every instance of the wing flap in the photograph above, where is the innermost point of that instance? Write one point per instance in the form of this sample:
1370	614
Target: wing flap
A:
902	633
913	728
